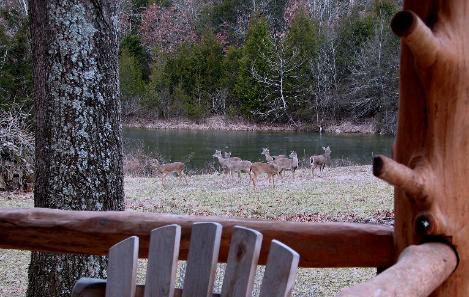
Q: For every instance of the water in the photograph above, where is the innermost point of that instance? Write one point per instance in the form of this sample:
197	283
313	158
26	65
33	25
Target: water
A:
196	147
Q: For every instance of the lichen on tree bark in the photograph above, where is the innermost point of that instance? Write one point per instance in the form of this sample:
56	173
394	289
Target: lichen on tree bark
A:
78	137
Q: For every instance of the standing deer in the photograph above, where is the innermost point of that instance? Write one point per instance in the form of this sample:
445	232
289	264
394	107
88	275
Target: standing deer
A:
224	163
169	168
268	157
290	163
320	160
233	164
228	156
258	168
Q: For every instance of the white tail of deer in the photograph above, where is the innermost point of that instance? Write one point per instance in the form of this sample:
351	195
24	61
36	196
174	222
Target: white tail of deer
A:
320	160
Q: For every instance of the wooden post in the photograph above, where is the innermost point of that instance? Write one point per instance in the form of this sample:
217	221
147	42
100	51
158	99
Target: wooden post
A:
431	155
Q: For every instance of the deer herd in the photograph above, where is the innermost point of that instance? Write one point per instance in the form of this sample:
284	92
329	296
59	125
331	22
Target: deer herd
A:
274	165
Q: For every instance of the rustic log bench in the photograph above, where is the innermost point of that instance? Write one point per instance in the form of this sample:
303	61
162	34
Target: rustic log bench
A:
245	246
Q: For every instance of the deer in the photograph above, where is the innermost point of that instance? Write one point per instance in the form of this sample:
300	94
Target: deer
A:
258	168
169	168
268	157
232	164
224	163
320	160
290	163
227	155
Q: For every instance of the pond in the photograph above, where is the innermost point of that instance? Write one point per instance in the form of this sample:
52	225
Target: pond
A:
196	147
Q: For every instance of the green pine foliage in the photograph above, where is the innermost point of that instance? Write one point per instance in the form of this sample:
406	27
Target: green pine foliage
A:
133	45
15	61
303	35
354	31
247	89
190	77
131	81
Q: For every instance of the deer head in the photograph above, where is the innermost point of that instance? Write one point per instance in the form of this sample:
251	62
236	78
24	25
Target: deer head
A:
265	151
217	154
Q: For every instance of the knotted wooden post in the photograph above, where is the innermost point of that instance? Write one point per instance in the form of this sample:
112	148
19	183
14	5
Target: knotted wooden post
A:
430	166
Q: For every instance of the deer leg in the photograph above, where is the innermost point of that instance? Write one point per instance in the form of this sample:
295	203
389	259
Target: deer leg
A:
184	176
253	179
162	179
225	173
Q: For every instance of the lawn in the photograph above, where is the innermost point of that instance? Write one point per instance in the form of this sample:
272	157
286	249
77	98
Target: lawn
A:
348	194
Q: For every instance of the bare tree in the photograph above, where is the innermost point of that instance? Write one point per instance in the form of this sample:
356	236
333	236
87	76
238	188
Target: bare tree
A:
373	82
78	131
325	90
219	97
283	83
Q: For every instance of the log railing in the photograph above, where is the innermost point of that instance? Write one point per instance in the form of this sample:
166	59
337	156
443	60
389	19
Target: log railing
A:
87	232
418	271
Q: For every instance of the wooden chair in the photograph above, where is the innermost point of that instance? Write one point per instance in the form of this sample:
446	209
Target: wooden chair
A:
279	275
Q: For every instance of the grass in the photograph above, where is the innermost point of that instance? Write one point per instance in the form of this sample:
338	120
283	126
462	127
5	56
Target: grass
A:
338	194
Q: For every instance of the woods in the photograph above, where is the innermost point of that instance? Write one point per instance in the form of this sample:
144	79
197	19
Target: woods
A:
317	62
294	62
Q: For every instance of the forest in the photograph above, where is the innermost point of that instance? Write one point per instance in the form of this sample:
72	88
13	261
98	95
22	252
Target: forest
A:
292	62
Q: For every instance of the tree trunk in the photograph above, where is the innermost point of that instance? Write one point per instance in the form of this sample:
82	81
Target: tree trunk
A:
78	132
431	198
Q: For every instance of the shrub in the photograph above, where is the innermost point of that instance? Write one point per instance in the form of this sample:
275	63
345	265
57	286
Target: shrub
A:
16	152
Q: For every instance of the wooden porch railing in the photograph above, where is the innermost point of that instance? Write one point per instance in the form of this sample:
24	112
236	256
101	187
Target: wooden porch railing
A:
93	233
418	271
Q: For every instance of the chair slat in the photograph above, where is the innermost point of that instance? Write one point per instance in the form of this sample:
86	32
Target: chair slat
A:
162	261
242	260
122	268
280	271
202	259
